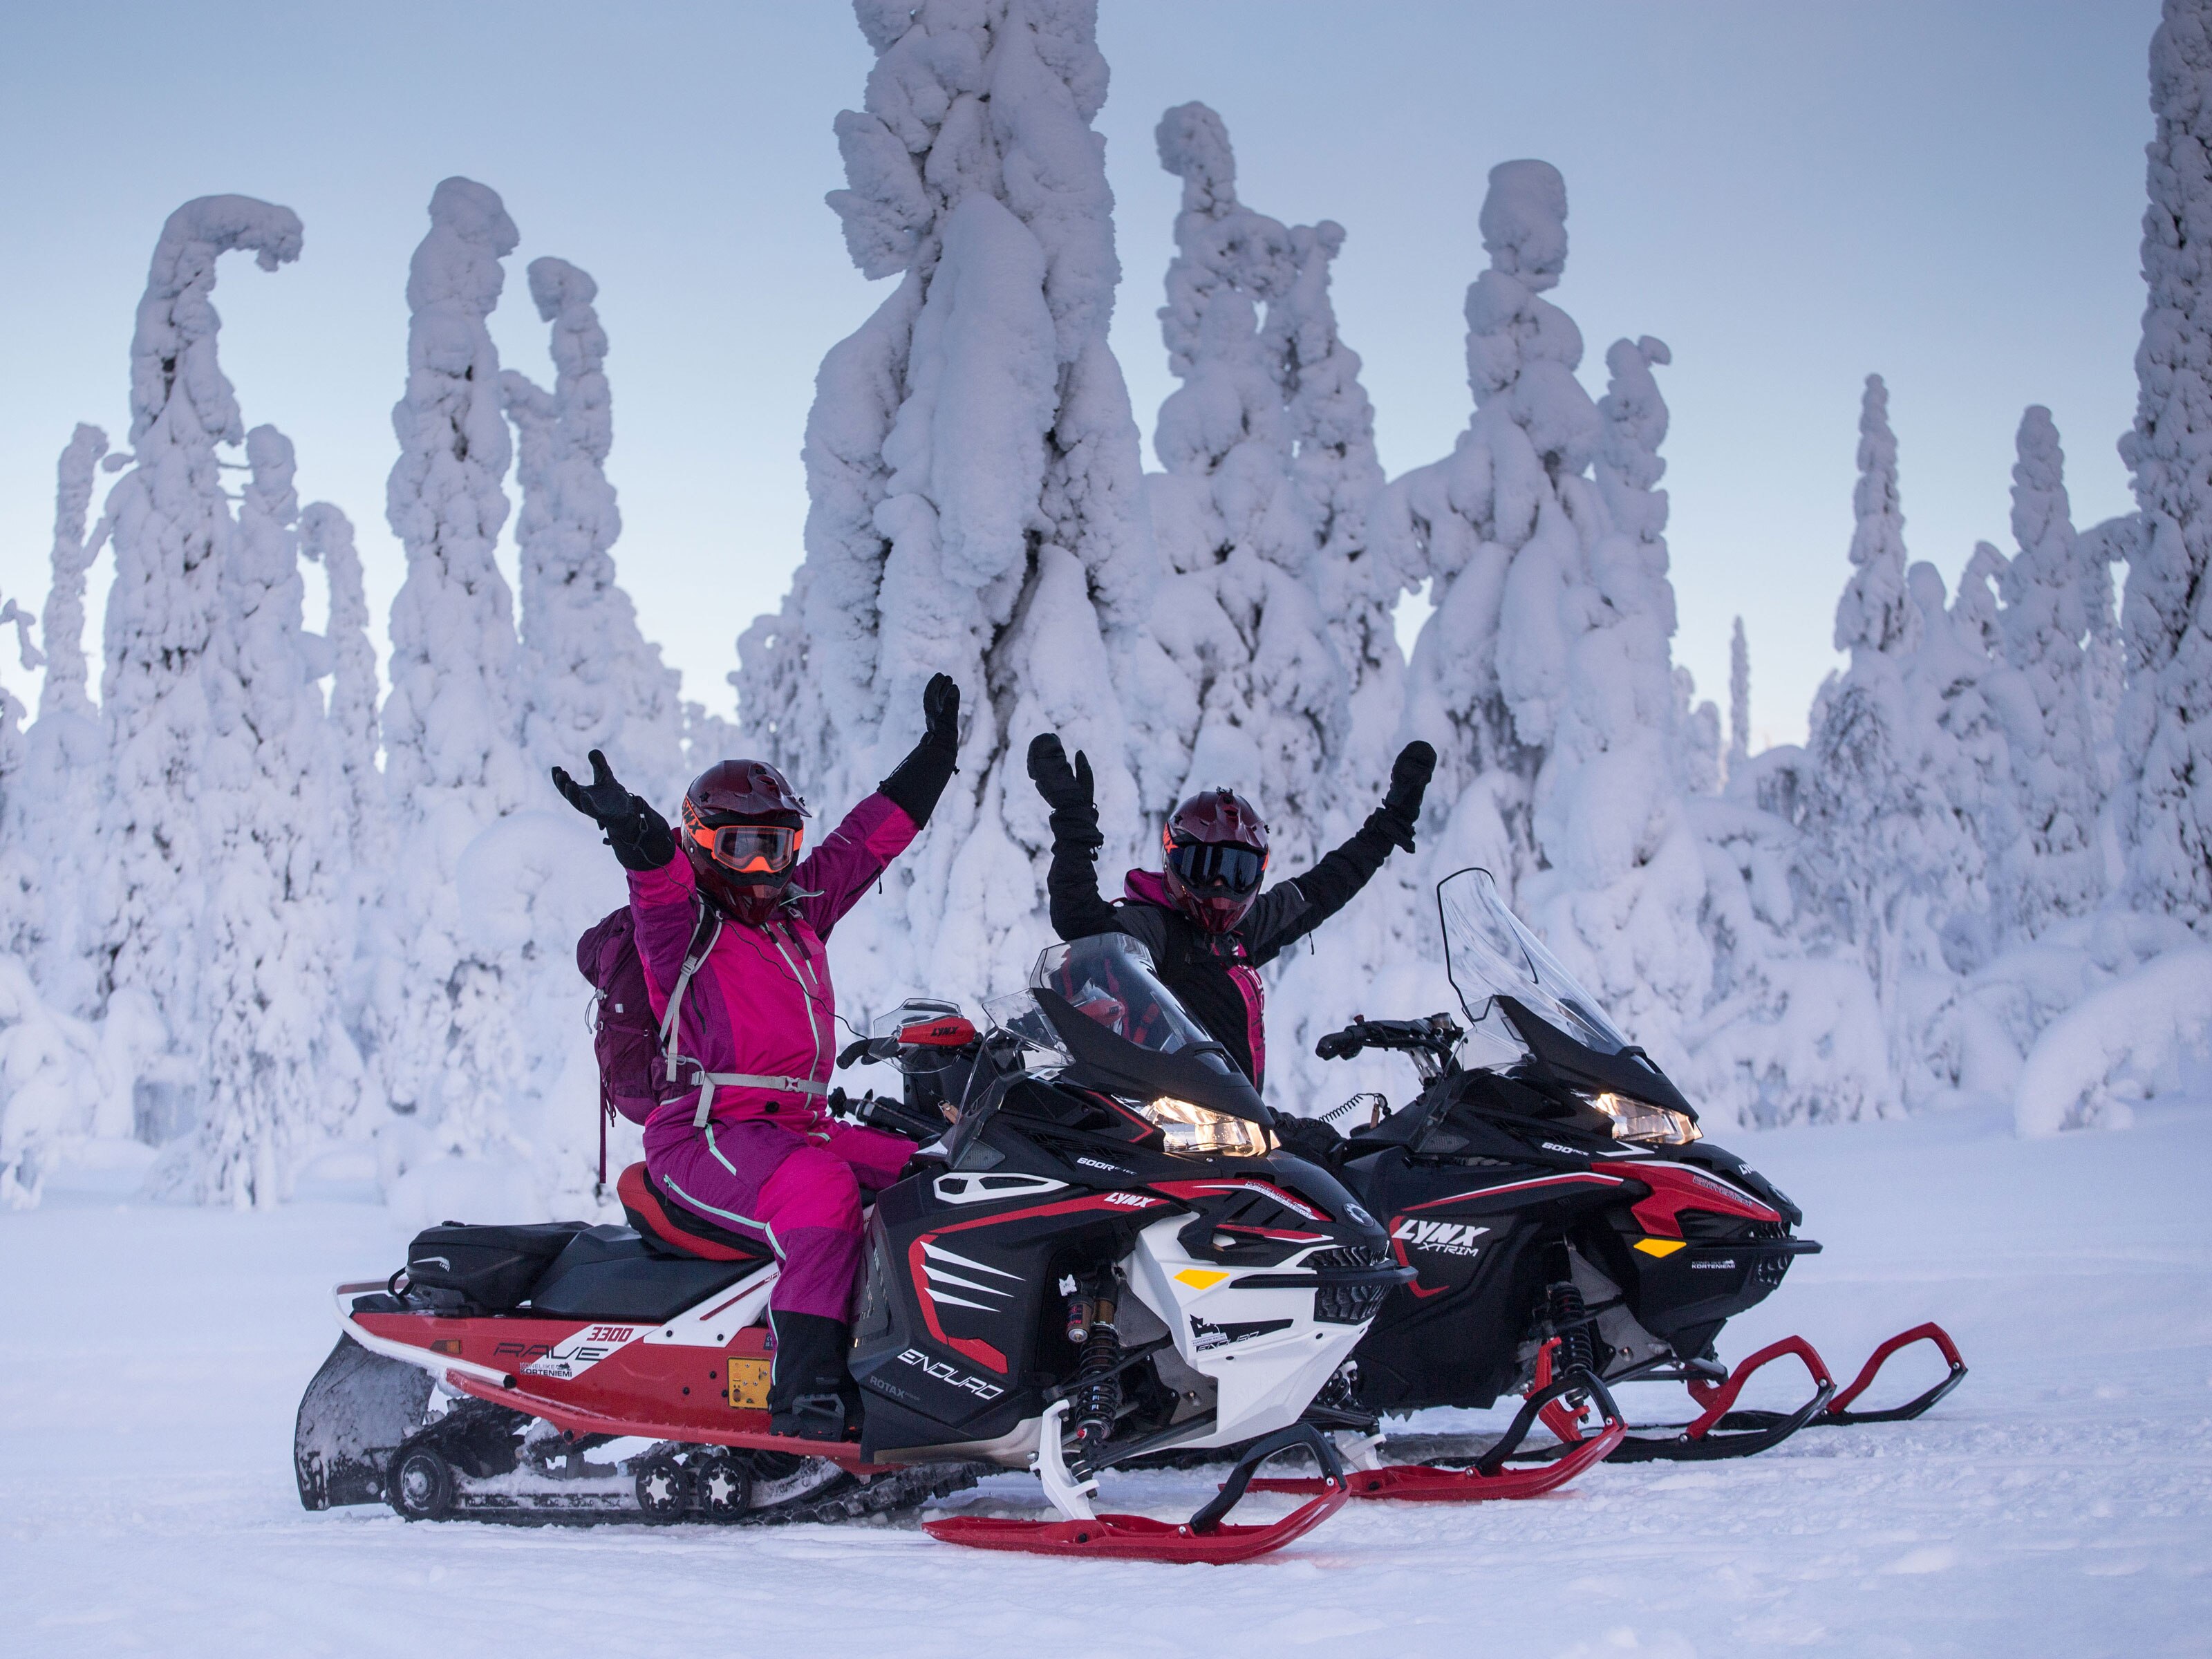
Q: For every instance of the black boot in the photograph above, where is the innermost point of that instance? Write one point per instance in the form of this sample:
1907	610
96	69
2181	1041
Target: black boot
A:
810	1391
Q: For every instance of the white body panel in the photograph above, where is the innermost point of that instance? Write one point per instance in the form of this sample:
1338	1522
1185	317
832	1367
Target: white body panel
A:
1265	1379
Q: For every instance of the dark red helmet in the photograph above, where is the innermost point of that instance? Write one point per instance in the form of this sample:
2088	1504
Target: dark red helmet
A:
742	827
1215	853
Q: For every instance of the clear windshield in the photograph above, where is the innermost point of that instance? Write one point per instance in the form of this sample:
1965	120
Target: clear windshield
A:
1488	953
1110	979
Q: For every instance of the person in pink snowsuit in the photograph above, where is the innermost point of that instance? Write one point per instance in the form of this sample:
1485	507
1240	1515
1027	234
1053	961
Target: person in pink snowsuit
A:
733	933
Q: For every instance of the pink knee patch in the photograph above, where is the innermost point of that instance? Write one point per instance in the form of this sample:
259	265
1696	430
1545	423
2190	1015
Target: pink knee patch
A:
812	1187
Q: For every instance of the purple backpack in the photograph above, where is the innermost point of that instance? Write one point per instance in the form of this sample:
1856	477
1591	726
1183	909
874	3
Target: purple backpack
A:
625	1037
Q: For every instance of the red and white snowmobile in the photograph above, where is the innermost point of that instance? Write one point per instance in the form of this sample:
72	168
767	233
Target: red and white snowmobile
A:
1108	1257
1565	1218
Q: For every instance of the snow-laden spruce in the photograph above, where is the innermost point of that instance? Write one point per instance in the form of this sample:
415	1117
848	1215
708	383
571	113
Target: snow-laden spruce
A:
1461	523
326	537
171	532
1738	749
2165	727
973	482
278	932
53	924
590	680
2051	867
445	1048
1240	612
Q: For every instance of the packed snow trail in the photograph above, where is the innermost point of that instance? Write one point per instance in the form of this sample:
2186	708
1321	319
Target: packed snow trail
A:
2058	1502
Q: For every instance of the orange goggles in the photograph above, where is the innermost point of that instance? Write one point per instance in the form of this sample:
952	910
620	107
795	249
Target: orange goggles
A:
749	849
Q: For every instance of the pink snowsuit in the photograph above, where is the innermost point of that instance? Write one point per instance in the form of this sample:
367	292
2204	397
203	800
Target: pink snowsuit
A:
770	1162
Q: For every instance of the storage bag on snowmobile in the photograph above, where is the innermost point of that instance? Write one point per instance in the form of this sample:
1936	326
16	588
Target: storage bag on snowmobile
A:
492	1269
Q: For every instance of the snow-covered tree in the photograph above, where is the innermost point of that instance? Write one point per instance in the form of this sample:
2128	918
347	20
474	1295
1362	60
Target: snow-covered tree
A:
53	924
1621	895
171	532
326	538
445	1048
278	934
2051	868
2165	727
1334	479
973	478
1240	611
1907	783
590	680
1738	749
1462	522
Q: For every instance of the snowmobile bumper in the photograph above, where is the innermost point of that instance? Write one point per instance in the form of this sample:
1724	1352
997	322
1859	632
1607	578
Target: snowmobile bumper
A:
1837	1412
1205	1537
1717	1432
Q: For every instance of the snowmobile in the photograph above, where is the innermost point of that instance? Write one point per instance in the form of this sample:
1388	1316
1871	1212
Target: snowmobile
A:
1563	1215
1100	1253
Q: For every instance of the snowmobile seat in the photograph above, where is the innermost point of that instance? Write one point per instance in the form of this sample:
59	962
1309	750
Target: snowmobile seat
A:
670	1227
612	1272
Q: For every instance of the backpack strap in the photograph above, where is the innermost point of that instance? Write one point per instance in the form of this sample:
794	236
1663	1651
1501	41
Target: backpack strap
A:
672	1022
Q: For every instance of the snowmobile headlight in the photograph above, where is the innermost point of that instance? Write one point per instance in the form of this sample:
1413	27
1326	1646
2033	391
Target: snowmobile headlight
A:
1636	1119
1191	1129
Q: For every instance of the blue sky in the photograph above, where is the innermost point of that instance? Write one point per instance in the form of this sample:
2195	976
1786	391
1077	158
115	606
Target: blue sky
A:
1790	196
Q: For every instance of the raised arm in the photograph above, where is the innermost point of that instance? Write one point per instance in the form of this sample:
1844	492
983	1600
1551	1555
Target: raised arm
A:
882	826
1070	884
1290	910
661	885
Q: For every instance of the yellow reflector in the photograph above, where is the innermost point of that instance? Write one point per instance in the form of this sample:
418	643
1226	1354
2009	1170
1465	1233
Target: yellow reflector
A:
1199	1279
1659	1246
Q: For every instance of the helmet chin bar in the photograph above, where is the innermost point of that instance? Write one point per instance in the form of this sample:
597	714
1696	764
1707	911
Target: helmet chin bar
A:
754	901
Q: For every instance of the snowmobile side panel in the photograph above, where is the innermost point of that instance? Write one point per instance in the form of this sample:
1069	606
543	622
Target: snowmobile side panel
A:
356	1413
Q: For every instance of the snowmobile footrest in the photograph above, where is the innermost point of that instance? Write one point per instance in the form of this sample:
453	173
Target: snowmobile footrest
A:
1838	1412
1205	1537
1719	1432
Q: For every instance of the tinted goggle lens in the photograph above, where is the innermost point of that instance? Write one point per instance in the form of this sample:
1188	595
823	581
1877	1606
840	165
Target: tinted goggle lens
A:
752	849
1209	867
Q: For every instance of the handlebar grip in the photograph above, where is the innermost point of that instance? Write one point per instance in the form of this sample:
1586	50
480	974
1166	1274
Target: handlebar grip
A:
1341	1045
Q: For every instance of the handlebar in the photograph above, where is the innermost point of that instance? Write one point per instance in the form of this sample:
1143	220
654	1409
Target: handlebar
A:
1437	1036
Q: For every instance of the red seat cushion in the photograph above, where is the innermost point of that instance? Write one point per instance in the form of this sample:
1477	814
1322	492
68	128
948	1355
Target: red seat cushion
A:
679	1228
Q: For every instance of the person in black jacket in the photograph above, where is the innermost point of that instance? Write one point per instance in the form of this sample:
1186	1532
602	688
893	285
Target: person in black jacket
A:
1203	916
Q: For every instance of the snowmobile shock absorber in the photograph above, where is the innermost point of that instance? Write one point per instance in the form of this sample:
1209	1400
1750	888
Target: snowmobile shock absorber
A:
1571	1321
1095	1400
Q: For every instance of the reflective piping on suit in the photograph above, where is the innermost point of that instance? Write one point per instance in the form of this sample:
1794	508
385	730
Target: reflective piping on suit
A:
691	1203
805	996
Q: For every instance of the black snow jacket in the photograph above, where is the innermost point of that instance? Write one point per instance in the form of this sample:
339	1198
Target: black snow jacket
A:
1216	975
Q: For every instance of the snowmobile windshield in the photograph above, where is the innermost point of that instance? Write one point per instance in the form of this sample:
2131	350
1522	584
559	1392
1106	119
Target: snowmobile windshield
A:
1489	953
1096	1007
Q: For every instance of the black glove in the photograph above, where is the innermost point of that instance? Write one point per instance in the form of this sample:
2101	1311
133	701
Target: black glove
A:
1068	790
1309	1138
920	778
940	713
1401	810
640	836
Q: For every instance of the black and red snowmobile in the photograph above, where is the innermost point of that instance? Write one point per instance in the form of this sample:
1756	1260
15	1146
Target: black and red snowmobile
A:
1104	1254
1564	1214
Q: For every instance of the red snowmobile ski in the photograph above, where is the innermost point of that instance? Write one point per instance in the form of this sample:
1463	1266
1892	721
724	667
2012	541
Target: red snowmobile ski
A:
1104	1256
1566	1221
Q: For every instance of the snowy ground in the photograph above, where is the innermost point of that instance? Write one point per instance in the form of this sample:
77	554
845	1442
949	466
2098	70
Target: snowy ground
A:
2059	1502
